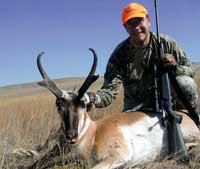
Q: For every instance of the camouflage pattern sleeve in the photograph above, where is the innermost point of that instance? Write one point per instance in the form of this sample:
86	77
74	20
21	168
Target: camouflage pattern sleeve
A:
112	82
184	66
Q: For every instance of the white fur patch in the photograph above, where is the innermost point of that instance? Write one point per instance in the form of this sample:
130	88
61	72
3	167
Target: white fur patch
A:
144	140
83	130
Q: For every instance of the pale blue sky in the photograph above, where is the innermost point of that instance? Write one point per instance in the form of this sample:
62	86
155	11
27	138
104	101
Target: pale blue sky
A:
65	29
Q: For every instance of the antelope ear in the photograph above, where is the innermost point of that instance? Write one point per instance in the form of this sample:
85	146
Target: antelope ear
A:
65	95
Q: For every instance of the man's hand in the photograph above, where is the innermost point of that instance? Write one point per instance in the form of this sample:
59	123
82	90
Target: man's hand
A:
90	98
169	60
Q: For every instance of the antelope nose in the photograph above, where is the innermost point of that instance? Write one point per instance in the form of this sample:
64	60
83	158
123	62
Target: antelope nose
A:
73	141
71	137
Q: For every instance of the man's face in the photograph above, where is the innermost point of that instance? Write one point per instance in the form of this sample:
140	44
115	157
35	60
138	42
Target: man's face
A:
138	29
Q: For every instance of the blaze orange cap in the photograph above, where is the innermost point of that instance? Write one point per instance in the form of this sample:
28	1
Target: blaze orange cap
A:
133	10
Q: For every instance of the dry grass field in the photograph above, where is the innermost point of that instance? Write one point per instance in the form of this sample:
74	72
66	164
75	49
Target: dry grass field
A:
28	120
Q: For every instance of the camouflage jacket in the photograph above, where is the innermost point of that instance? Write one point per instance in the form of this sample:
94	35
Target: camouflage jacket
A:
131	67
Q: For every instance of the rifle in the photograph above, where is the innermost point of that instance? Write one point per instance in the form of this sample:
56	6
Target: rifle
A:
163	101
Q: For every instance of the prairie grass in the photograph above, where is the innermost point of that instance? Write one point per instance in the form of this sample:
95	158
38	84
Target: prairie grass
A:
27	120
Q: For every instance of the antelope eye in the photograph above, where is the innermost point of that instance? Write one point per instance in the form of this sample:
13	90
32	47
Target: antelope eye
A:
58	104
82	104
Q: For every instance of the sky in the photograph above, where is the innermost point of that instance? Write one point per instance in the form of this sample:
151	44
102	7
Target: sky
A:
65	29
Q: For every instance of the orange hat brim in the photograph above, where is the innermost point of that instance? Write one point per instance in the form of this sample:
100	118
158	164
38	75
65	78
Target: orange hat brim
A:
135	15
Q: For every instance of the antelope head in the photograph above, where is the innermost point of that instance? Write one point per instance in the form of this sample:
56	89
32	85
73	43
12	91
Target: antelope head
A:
70	105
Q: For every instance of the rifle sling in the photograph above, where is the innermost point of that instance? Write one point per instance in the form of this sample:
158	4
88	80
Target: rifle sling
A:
192	113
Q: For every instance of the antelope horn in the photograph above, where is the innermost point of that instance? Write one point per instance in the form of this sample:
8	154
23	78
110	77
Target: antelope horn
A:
47	82
91	78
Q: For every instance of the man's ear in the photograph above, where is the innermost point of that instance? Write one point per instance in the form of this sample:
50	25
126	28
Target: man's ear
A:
148	18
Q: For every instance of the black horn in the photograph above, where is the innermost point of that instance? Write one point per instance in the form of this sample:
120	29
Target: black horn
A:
47	82
91	78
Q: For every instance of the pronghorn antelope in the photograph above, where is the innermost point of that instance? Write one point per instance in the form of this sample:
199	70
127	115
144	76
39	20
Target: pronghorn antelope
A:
132	137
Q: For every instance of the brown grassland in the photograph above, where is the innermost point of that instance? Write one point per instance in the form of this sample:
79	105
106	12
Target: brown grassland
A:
28	120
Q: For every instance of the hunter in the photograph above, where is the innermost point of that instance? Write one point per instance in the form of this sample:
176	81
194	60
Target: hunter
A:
130	65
